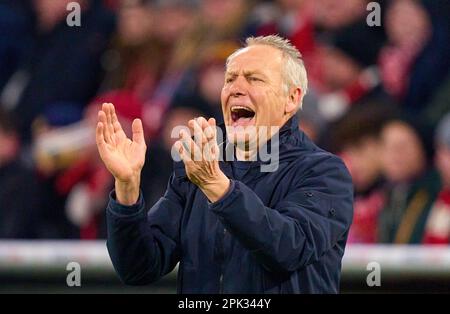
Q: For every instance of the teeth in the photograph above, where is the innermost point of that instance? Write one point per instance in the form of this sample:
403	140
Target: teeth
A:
235	108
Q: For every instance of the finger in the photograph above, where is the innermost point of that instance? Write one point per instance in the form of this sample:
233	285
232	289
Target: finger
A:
192	125
202	122
208	140
115	121
210	129
211	132
199	136
185	141
203	141
213	126
100	140
190	146
212	122
107	130
207	130
118	130
138	131
109	120
184	154
102	118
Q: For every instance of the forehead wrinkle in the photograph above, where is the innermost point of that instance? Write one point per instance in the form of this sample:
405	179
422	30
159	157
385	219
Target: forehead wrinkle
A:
248	61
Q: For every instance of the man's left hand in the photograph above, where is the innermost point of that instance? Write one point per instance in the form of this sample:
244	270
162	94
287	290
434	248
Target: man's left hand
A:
201	158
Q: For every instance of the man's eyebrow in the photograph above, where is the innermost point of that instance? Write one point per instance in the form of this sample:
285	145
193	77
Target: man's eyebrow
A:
246	73
231	73
254	72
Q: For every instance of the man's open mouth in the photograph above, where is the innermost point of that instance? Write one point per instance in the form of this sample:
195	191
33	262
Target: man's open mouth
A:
241	115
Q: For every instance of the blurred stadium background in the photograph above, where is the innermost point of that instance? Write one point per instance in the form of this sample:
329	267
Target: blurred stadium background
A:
41	267
379	97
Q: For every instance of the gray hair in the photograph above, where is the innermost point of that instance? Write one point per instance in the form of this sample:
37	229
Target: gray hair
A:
294	72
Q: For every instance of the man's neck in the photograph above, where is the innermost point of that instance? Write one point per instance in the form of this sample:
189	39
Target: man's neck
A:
249	153
245	155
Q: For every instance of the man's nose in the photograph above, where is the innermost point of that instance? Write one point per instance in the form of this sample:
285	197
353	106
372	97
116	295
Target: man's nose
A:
238	87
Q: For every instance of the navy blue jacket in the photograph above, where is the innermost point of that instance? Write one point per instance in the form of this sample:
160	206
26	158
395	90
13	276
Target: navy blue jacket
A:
273	232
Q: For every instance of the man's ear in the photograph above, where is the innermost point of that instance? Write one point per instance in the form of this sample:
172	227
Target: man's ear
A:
293	100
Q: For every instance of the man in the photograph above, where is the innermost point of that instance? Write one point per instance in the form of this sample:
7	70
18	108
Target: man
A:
357	139
232	227
437	227
20	217
49	72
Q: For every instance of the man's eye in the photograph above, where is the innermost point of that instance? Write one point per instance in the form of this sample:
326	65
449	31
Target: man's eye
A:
255	79
229	80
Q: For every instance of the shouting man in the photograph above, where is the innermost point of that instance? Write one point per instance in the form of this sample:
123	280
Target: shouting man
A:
232	227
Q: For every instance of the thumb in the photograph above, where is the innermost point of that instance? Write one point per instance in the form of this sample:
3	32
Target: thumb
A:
138	131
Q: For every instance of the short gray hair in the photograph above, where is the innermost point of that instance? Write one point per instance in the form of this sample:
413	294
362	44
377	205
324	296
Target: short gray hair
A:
293	68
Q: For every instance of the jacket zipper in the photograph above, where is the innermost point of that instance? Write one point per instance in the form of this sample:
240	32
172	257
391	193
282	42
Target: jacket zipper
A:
223	262
221	284
230	173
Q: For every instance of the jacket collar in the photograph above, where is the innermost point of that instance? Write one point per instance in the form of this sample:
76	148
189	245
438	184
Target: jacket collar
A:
291	143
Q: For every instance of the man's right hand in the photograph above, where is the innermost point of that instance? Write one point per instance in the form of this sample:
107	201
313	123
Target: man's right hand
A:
123	157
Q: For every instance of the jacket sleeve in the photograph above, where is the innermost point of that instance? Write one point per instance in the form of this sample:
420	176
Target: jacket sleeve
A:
309	221
145	246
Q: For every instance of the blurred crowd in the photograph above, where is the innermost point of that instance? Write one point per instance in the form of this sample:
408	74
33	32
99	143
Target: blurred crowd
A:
379	97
